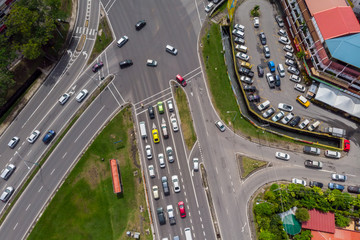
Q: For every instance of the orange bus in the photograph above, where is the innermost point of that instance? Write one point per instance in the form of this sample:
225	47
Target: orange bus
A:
115	176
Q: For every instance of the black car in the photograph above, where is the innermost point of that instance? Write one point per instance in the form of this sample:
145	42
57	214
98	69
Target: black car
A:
151	112
353	189
161	216
262	38
126	63
295	121
253	98
316	184
277	80
260	70
97	66
246	72
248	88
165	185
140	24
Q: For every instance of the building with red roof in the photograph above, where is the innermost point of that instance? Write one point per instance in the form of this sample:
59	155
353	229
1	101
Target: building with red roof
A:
323	222
340	234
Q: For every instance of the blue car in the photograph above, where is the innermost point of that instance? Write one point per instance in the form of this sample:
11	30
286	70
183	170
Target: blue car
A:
271	66
49	136
333	186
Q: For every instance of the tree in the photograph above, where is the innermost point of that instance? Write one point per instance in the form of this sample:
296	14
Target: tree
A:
265	235
263	209
302	214
300	54
6	82
341	221
304	235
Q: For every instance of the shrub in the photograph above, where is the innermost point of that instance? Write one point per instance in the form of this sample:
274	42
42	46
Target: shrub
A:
341	221
263	209
302	214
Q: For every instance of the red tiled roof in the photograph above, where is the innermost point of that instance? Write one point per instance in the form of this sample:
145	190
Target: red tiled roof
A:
337	22
324	222
315	6
340	234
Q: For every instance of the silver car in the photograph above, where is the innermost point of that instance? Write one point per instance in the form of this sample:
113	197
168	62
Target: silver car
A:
287	118
278	116
82	95
196	164
13	142
170	155
268	112
220	126
243	56
32	138
63	99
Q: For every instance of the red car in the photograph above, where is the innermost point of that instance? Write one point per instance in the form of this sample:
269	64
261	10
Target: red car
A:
346	145
181	80
97	66
182	209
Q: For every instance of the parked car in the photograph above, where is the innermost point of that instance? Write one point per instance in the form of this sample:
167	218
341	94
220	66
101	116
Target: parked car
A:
279	21
282	32
303	101
209	7
304	123
299	87
278	116
264	105
298	181
332	154
248	88
282	156
238	33
13	142
277	81
262	38
295	78
315	184
242	56
170	106
285	107
266	51
295	121
239	40
333	186
271	66
287	118
338	177
97	66
289	55
248	66
290	62
253	98
346	145
160	106
256	22
293	70
288	48
246	79
311	150
353	189
313	164
220	126
268	112
271	80
140	24
239	27
284	40
260	70
246	72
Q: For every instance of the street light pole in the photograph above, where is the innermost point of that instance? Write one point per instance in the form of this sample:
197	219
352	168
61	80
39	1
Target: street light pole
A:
232	121
22	159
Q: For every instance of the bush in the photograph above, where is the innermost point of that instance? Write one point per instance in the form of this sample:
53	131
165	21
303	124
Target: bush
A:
341	221
304	235
263	209
302	214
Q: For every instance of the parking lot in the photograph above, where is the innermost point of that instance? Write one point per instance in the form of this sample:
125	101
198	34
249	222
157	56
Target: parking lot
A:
286	92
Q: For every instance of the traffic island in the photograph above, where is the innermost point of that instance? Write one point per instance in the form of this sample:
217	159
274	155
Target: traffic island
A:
248	166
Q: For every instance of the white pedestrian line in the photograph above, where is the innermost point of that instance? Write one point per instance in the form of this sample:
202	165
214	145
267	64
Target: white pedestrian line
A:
52	171
40	188
15	226
28	207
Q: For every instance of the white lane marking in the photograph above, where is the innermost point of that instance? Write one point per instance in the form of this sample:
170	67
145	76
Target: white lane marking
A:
28	153
15	226
216	170
145	99
10	159
114	95
52	171
40	188
110	7
184	193
191	221
118	91
191	72
199	212
89	124
242	229
64	155
204	233
28	207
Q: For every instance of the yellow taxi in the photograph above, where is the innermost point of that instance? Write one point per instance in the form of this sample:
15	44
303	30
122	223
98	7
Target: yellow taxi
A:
246	65
155	134
303	101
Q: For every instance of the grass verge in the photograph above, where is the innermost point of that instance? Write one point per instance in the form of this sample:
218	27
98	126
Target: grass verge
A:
85	206
248	165
187	125
103	40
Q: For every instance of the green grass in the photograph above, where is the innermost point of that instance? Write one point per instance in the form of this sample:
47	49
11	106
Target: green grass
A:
85	206
103	40
187	126
249	165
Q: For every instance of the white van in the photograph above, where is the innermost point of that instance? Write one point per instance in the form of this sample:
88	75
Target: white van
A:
313	126
281	70
243	48
7	171
188	234
332	154
143	130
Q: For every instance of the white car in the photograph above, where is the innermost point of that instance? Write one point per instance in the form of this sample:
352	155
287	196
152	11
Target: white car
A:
122	41
284	40
148	152
82	95
298	181
243	56
174	124
246	80
295	78
285	107
220	126
282	156
176	183
151	171
170	49
288	48
278	116
155	192
196	164
239	27
170	155
304	123
299	87
170	106
161	160
264	105
290	62
32	138
151	63
13	142
287	118
63	99
209	7
256	22
238	33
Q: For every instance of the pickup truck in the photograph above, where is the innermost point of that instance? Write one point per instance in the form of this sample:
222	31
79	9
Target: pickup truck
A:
311	150
313	164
